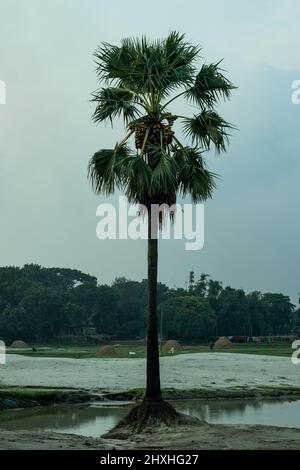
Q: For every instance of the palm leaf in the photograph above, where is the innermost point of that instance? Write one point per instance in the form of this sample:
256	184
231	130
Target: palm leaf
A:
106	169
210	85
114	102
137	180
208	128
180	57
163	181
148	67
113	63
193	176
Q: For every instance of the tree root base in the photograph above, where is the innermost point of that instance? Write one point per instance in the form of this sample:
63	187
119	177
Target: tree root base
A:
149	416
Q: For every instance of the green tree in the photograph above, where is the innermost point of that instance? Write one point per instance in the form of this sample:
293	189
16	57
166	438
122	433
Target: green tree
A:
130	308
233	318
202	285
139	81
189	318
279	311
38	316
257	314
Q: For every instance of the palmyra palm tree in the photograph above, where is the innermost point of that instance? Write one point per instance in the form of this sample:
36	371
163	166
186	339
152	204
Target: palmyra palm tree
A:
140	80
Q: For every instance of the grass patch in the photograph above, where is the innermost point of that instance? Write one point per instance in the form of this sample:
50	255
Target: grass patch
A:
211	394
85	351
11	398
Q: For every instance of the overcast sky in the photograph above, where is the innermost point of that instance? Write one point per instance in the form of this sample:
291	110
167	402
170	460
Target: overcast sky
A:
47	208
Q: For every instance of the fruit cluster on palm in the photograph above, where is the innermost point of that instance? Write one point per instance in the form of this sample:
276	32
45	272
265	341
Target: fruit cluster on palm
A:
140	80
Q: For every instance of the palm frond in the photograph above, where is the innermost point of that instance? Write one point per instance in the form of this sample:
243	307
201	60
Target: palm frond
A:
106	169
210	85
148	67
114	102
163	179
113	63
137	180
193	176
180	57
208	128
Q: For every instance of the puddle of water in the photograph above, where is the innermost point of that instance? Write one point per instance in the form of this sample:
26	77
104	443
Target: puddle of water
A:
231	412
96	419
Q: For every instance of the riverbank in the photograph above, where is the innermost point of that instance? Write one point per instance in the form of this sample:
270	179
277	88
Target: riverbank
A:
195	437
32	397
33	382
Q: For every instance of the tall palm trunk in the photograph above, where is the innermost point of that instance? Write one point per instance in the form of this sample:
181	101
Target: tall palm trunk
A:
153	391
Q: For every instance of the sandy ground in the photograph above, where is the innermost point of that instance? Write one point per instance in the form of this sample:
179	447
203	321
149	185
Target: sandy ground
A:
190	371
202	437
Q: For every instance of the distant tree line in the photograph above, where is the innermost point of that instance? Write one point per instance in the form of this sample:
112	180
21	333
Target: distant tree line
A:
37	303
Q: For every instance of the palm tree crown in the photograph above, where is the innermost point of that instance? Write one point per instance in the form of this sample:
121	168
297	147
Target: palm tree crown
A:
142	79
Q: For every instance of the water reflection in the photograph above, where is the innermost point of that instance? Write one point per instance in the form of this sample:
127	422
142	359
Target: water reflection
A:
96	419
215	409
270	412
81	419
